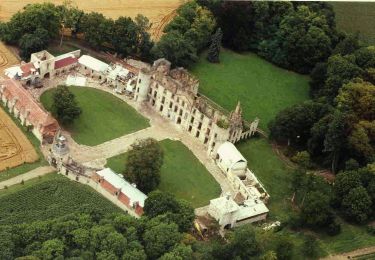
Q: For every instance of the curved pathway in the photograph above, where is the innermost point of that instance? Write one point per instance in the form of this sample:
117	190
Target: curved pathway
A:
160	129
40	171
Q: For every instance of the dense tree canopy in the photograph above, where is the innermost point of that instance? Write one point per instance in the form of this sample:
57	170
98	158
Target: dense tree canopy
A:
188	33
144	163
179	211
33	42
64	107
32	17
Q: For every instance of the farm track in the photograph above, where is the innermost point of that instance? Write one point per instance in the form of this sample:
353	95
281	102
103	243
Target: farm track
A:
158	30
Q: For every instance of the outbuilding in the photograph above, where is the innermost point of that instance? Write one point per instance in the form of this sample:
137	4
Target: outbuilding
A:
230	159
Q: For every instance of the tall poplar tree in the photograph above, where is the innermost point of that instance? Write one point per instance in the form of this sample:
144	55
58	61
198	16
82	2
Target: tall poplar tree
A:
214	50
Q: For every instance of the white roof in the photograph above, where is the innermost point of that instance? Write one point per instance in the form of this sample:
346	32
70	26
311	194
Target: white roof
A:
118	182
13	71
92	63
75	81
224	205
117	70
251	208
229	153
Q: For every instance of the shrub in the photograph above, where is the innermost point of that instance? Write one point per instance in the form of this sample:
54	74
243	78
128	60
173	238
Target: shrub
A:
334	228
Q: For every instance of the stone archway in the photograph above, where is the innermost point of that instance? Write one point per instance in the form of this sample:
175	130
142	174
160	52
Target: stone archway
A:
179	120
47	75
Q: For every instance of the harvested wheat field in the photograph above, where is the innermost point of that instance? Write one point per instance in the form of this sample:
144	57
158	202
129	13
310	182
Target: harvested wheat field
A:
7	58
160	12
15	148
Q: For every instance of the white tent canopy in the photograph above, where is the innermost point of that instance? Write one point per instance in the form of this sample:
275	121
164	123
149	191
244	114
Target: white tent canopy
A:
230	158
93	64
75	81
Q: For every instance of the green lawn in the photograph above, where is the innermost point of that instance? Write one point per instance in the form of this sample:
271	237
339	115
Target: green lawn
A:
10	173
276	178
355	17
49	197
104	116
181	174
262	88
272	172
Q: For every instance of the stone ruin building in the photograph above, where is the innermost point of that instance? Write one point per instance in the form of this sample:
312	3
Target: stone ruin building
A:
174	94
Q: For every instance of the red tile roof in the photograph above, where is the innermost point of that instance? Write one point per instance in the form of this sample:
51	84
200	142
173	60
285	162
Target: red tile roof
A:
27	68
38	117
65	62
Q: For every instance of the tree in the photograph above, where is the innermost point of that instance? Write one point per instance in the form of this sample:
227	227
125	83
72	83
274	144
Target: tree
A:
174	47
179	252
32	17
64	106
284	248
358	97
316	210
293	124
299	32
310	246
71	17
125	36
344	182
34	42
51	249
335	137
186	34
144	163
302	159
160	238
179	211
214	50
97	29
357	204
340	70
242	245
347	45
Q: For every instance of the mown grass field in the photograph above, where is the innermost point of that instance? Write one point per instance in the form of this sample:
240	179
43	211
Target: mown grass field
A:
104	117
49	197
353	17
276	178
182	174
262	88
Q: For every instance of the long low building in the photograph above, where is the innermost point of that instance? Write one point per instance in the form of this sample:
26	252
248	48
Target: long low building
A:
126	193
23	106
229	214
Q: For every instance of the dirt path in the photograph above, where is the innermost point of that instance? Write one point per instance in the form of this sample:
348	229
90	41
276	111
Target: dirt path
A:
352	254
40	171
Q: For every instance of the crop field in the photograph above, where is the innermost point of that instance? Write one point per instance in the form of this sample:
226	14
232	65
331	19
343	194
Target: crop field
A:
15	148
355	17
49	197
159	12
7	58
182	174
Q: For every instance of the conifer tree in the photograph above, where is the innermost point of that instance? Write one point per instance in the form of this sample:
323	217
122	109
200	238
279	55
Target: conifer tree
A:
214	50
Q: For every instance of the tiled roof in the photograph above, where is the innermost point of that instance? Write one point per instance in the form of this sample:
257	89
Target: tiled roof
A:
118	182
38	117
27	68
65	62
